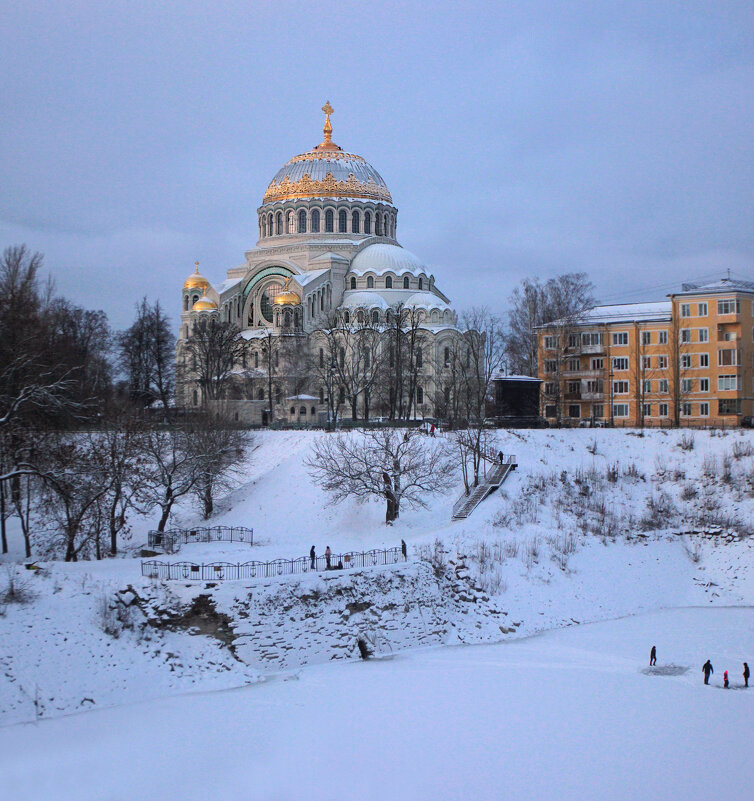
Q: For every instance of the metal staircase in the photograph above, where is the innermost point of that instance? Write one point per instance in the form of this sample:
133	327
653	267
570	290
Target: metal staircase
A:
466	504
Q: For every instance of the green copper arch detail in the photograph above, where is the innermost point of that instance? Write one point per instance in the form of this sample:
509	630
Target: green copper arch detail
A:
277	270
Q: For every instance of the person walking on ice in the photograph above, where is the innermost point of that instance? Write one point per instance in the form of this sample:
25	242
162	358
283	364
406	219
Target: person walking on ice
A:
746	674
312	556
725	679
653	656
707	669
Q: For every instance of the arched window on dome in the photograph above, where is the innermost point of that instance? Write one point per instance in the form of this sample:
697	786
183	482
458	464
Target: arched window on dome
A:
321	357
355	222
419	357
279	223
367	222
342	222
353	282
388	282
291	222
420	395
302	222
185	303
315	221
321	395
359	316
346	317
256	358
421	284
194	299
329	222
378	224
269	224
446	357
406	282
196	398
370	282
375	316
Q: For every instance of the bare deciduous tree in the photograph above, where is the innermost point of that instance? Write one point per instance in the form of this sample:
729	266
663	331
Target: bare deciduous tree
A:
401	467
212	351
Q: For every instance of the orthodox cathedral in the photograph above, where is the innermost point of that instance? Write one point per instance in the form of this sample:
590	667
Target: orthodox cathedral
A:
327	250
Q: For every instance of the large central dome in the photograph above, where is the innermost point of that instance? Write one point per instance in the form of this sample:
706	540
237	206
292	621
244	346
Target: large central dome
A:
327	171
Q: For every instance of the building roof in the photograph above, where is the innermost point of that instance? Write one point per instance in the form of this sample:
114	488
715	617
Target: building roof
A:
385	258
721	285
621	313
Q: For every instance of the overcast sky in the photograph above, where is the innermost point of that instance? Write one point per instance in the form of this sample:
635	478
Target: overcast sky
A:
517	139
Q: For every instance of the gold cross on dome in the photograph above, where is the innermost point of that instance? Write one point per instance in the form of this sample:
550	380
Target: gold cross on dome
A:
196	264
328	109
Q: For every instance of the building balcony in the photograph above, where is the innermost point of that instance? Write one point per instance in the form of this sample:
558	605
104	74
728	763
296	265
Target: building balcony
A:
588	349
592	396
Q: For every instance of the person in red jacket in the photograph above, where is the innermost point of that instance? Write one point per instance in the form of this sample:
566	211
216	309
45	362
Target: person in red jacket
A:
725	679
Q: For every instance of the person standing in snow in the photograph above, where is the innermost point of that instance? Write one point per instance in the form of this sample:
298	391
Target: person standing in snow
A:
432	430
403	551
725	679
746	674
500	456
312	556
328	554
707	669
653	656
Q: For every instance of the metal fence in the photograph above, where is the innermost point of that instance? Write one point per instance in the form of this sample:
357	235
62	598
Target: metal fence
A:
171	541
237	571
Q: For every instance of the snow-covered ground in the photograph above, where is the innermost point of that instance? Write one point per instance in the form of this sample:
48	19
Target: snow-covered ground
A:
589	528
571	714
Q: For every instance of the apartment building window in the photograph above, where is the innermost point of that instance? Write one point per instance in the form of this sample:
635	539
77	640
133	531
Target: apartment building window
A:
620	410
703	310
663	386
729	306
646	409
574	365
598	364
663	410
662	362
727	383
620	363
686	409
550	411
646	386
646	337
704	334
662	338
704	410
574	387
685	335
620	338
704	359
551	365
687	384
685	361
549	388
573	340
646	362
729	406
595	387
620	387
591	339
598	410
551	343
685	310
704	385
574	410
729	356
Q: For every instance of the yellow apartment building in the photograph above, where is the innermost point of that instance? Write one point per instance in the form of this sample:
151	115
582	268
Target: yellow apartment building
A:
688	360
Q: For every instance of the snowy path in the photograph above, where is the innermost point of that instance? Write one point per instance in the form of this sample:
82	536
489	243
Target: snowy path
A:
568	714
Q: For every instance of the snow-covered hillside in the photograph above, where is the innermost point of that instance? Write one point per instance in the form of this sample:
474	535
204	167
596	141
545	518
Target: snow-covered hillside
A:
594	525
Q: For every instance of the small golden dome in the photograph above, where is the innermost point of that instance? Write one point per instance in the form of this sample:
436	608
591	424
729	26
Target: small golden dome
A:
286	296
196	281
204	304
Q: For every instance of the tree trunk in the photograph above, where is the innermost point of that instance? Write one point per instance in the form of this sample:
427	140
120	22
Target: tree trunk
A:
166	507
3	533
70	550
